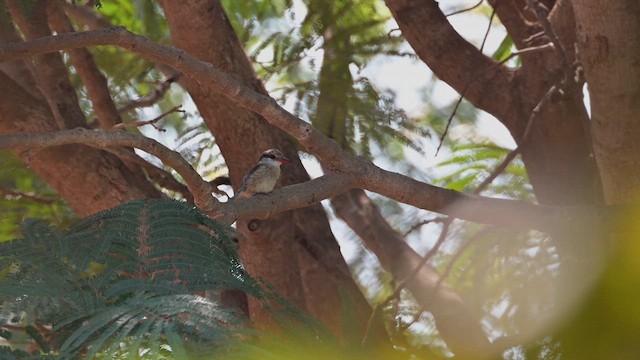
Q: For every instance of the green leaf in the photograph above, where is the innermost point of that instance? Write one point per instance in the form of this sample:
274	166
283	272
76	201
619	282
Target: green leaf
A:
504	50
152	255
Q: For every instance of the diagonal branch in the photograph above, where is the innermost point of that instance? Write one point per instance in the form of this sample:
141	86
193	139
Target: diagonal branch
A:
352	171
451	57
461	331
198	187
153	97
499	212
94	81
473	79
50	71
159	176
152	122
21	194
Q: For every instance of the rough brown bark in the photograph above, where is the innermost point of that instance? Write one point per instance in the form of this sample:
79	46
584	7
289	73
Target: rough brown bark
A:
558	155
18	70
83	62
74	171
280	249
88	179
51	73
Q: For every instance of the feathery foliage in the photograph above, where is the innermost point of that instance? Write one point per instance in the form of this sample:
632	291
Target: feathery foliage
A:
472	163
136	279
23	194
336	96
199	148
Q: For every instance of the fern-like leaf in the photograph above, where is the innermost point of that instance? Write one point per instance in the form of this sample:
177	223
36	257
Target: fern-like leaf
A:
126	279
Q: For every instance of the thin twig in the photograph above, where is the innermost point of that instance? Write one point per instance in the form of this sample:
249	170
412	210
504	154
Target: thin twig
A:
497	171
486	33
26	196
424	222
414	319
465	9
441	238
455	108
473	79
446	273
403	283
525	138
541	12
531	38
459	253
390	32
377	310
152	98
149	122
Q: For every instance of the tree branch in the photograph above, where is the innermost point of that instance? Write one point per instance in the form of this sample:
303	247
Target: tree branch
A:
461	331
198	187
351	171
21	194
155	174
151	122
473	79
517	26
541	12
51	72
153	97
450	57
85	65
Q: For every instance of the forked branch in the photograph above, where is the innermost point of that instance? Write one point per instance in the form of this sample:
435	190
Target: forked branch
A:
350	171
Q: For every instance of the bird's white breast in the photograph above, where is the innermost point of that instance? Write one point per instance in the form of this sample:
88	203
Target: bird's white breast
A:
268	177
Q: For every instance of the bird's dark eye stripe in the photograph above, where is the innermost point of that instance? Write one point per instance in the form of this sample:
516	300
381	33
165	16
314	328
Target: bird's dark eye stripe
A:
270	156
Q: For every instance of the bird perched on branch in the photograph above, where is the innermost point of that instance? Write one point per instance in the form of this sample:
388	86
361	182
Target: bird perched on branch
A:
262	178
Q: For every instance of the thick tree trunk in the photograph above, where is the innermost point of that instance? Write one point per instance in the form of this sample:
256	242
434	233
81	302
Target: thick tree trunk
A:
295	251
95	83
50	71
609	45
609	51
90	180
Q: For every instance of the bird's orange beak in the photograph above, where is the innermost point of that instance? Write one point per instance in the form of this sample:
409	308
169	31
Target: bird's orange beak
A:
284	160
